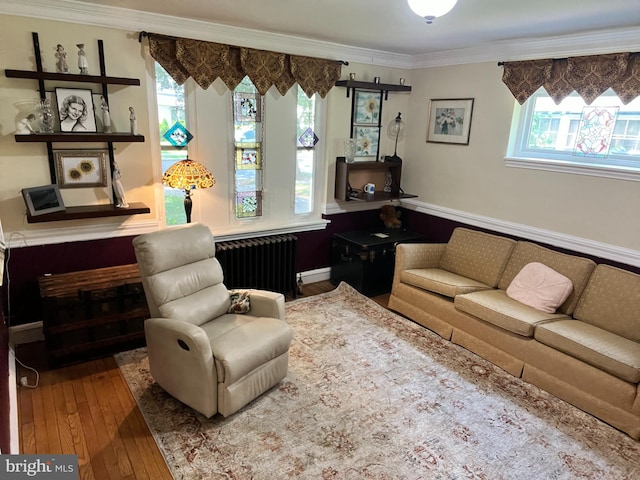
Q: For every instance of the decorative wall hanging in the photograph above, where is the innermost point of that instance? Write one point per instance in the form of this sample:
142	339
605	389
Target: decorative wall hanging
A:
308	138
450	121
80	169
178	135
75	109
595	131
248	156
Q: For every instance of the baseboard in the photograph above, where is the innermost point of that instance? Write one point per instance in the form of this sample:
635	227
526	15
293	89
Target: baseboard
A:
318	275
26	333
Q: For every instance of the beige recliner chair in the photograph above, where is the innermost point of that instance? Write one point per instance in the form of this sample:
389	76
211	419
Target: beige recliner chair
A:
209	359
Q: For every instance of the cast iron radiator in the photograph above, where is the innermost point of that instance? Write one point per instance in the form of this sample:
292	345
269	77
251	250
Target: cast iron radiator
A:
267	263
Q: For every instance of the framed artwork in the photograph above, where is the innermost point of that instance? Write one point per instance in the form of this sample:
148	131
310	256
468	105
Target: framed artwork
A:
366	139
75	110
44	199
80	169
450	120
367	108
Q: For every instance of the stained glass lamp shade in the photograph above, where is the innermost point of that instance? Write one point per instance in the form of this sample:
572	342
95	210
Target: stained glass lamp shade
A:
187	175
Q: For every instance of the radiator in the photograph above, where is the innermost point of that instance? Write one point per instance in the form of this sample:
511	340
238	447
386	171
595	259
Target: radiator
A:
267	263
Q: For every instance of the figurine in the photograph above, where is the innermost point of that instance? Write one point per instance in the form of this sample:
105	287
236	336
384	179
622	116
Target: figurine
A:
106	116
83	65
118	189
61	64
23	127
47	116
132	121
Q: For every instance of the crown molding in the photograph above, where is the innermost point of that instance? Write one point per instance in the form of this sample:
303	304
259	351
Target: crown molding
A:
592	43
132	20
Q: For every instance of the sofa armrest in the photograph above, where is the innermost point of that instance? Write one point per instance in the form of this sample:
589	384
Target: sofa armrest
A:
266	304
418	255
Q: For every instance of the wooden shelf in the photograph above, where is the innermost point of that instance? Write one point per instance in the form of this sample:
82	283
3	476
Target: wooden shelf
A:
90	211
350	177
385	87
70	77
79	137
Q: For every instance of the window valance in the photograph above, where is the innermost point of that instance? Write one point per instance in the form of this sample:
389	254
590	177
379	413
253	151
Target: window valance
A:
205	61
590	76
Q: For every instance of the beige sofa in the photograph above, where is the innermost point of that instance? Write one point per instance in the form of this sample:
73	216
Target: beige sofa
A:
587	352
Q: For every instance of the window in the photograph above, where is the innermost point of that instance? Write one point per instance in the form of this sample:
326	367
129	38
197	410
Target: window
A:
248	113
306	153
598	139
170	98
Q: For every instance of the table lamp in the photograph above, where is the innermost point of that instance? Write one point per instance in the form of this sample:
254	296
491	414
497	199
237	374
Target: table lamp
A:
188	174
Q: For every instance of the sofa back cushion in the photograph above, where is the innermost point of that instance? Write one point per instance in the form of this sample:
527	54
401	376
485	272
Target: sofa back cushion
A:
477	255
611	301
575	268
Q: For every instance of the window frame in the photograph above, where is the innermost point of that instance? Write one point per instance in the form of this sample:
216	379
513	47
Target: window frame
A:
521	156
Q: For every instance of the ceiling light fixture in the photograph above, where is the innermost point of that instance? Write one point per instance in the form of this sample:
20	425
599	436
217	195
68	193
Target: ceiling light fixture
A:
430	9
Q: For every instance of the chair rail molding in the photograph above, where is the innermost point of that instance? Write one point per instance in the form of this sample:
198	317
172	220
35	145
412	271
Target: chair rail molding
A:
576	244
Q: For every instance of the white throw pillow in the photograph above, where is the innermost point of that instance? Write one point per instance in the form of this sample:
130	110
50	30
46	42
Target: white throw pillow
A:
540	287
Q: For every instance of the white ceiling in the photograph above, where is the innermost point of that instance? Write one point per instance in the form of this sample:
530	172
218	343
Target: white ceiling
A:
390	26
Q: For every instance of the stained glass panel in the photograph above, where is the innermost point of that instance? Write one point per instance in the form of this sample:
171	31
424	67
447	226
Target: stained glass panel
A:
595	131
248	204
247	107
308	138
248	156
178	135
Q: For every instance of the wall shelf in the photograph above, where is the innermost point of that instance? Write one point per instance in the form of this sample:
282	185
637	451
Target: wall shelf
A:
70	77
90	211
350	177
351	85
79	137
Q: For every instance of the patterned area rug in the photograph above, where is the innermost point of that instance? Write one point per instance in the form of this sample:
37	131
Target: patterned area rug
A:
371	395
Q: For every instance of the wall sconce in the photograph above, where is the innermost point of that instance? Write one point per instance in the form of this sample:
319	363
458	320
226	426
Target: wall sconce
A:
188	175
430	9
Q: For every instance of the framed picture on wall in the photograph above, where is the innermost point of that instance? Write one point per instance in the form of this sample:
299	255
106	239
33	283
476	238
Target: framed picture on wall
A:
367	108
450	120
366	139
81	168
75	110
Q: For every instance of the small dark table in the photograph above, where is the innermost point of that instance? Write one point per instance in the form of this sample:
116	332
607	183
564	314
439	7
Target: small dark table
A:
365	259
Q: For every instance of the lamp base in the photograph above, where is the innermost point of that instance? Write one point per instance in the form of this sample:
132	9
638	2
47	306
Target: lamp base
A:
188	204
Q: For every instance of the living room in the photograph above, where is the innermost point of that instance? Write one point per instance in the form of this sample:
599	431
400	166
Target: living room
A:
472	184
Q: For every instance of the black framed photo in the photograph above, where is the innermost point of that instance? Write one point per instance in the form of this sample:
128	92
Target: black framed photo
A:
75	110
43	199
450	120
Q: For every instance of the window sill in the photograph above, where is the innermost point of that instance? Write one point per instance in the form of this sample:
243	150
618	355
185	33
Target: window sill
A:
619	173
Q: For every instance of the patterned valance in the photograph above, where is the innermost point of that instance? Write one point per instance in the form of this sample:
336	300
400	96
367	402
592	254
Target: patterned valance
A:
205	61
590	76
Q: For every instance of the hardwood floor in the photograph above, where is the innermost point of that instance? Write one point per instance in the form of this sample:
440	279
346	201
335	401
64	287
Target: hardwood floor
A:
87	409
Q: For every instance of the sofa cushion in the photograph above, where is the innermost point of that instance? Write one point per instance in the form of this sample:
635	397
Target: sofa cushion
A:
575	268
540	287
495	307
477	255
602	349
611	301
440	281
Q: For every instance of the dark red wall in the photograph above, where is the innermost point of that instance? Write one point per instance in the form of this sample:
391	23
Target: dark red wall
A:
5	427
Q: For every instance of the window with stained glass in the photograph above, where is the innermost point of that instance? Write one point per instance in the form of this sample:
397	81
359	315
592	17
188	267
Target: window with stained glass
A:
248	113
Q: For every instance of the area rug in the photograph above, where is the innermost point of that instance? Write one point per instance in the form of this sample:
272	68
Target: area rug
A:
371	395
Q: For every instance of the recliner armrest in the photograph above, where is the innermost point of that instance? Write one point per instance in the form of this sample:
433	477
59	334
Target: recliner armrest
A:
176	331
267	304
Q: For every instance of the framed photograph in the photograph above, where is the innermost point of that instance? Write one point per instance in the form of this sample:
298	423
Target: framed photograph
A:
366	139
44	199
367	108
450	120
80	169
75	110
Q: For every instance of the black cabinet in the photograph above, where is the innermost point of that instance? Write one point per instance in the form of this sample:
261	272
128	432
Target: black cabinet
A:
365	259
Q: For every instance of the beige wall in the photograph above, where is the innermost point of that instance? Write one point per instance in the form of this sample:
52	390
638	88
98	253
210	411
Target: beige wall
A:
25	164
474	178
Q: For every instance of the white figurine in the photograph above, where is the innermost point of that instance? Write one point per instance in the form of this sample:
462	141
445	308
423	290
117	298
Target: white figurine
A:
61	56
23	127
106	116
83	65
132	121
118	189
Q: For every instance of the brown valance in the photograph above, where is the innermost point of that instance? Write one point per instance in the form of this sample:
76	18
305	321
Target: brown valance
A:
590	76
205	61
